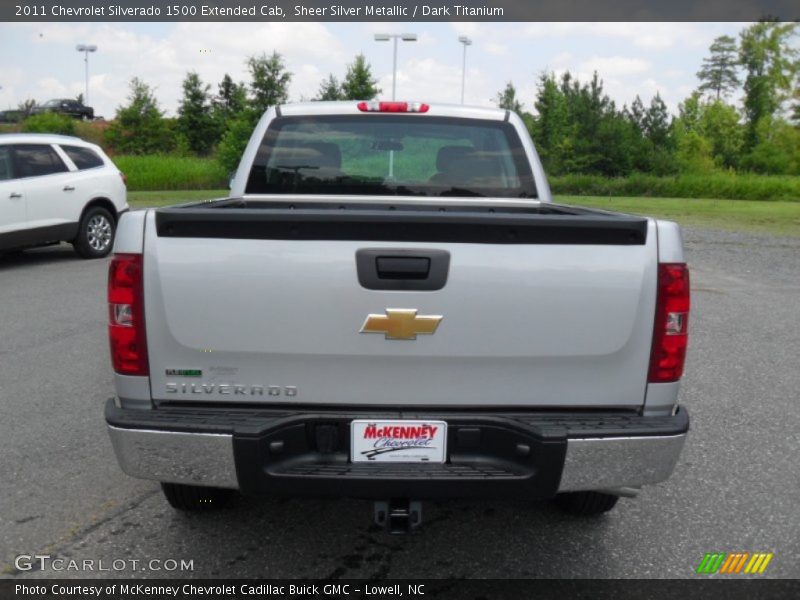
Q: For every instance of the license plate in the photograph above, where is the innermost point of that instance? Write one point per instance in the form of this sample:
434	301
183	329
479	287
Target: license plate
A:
402	441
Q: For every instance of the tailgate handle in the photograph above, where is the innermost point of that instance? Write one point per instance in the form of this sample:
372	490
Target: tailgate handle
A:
402	269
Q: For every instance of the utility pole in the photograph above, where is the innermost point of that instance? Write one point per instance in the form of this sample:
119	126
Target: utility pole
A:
466	42
86	49
385	37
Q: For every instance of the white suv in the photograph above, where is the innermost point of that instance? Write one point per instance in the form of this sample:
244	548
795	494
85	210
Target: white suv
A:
57	188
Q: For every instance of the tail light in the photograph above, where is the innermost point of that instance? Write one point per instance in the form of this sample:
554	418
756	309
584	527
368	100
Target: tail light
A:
671	332
393	107
126	315
124	178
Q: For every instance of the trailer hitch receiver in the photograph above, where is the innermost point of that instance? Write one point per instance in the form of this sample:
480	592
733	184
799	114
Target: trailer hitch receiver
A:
399	515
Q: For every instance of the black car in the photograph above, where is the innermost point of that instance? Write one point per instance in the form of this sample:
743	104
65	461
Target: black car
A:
66	106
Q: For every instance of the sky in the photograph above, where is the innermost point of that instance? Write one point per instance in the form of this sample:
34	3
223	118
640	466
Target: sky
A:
40	60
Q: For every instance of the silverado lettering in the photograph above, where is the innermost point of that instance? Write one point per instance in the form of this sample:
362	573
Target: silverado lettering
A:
225	389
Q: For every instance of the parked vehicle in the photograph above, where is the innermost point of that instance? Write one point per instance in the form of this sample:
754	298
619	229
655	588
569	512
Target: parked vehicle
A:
11	116
390	306
57	188
65	106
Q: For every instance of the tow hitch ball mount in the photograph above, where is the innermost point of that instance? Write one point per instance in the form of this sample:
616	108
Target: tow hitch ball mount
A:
399	515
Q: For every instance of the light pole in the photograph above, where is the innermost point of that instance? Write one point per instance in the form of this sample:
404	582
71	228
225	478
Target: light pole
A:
385	37
467	42
86	49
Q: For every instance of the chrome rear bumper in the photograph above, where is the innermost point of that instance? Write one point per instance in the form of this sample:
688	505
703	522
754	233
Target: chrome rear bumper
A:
607	463
193	458
612	463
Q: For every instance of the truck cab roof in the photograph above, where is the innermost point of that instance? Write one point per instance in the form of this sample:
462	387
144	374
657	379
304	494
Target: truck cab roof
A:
351	107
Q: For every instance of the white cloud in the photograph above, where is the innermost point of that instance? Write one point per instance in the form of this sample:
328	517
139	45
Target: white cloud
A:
10	80
426	39
613	66
48	33
434	81
53	87
562	59
470	28
495	49
11	76
648	35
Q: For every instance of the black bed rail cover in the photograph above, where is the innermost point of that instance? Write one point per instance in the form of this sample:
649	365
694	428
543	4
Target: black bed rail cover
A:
543	224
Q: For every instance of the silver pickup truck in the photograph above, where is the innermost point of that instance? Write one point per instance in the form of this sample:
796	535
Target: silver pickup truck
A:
390	306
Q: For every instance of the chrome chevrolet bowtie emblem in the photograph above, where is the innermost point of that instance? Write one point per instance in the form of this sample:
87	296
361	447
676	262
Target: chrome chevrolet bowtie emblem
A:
401	324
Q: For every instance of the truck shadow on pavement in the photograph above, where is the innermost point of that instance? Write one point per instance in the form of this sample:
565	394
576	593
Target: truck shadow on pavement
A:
336	539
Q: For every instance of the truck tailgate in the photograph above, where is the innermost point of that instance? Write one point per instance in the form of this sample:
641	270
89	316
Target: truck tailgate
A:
539	309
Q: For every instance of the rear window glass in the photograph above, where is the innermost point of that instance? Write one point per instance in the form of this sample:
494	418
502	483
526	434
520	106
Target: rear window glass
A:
34	160
391	155
84	158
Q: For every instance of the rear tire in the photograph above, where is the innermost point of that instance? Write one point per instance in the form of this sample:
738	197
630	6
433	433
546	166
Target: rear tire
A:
586	503
194	498
95	233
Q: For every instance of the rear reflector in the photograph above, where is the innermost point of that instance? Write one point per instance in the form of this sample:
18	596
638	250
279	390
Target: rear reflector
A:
126	315
671	331
393	107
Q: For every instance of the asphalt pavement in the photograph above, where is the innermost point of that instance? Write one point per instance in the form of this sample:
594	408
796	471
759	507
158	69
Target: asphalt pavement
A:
736	487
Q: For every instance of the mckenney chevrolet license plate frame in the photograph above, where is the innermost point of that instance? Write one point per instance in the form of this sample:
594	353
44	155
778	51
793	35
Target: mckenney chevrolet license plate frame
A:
398	441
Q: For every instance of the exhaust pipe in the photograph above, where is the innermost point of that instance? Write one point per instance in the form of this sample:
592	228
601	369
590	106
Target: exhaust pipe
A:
623	492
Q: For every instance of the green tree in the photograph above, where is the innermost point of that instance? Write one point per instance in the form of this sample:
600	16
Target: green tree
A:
330	89
718	75
231	99
233	142
359	83
551	129
49	122
507	99
690	113
195	121
651	143
269	84
778	149
140	127
599	140
238	114
656	122
26	106
796	106
230	107
771	63
693	154
578	129
636	114
721	125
